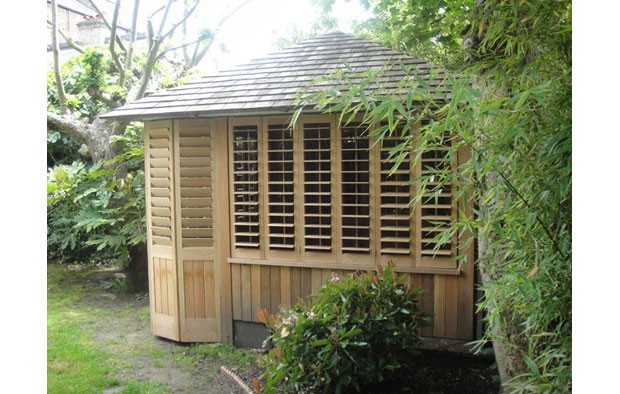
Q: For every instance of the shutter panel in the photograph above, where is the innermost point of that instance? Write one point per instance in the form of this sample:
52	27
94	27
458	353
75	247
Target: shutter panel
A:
160	193
395	213
355	189
317	187
196	187
280	186
437	206
245	187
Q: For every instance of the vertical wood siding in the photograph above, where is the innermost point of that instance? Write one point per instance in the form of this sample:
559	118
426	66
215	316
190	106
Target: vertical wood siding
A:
255	287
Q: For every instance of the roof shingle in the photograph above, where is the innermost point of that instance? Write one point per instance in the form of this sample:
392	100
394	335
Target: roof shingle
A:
270	84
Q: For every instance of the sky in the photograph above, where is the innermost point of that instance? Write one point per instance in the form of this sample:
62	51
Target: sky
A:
254	30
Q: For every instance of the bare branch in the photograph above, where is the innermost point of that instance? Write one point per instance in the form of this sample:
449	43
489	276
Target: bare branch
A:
184	31
119	41
183	46
163	20
128	57
62	97
95	93
68	125
199	55
113	53
67	39
183	19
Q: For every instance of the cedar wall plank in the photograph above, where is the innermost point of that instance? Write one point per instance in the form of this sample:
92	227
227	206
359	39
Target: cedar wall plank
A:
427	301
439	300
209	283
285	287
256	287
295	285
451	307
274	290
265	286
255	278
246	293
190	283
235	273
199	289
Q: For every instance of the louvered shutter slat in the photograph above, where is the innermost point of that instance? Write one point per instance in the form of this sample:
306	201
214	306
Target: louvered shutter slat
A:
355	189
245	186
437	206
395	219
317	186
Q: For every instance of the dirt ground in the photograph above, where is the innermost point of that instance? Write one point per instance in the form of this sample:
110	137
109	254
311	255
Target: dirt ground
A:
123	328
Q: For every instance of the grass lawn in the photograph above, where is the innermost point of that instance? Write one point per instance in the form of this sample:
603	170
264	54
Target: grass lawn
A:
99	342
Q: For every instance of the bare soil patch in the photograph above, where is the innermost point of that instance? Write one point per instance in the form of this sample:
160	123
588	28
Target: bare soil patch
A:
122	328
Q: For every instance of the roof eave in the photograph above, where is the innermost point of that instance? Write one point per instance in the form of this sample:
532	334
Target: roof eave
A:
274	111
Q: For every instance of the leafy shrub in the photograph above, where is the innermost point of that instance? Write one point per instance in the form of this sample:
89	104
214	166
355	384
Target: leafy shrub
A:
355	331
94	213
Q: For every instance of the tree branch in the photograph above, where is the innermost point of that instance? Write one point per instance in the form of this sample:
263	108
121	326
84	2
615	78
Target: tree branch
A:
183	19
62	97
68	125
164	52
113	53
119	41
128	57
67	39
199	55
163	20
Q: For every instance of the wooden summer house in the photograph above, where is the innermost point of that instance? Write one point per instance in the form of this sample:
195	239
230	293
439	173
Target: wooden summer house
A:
245	212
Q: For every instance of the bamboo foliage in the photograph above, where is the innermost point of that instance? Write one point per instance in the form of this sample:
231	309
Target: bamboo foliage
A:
510	106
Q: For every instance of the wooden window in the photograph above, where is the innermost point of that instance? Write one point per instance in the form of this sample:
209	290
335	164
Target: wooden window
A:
437	206
245	187
317	187
395	195
355	175
280	184
320	193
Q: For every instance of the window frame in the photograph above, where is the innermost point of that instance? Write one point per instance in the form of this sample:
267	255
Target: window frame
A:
336	258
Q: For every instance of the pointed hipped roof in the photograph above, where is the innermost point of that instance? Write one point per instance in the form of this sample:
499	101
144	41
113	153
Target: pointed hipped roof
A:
269	85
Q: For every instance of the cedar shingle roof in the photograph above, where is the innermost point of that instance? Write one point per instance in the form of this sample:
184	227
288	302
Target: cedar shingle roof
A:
269	85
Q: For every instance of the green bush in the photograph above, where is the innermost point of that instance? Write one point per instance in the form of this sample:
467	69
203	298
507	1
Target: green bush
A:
95	213
355	331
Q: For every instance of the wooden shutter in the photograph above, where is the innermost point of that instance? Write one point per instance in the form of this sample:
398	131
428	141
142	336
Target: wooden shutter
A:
159	163
355	189
198	289
317	187
160	211
437	206
280	185
245	186
195	182
395	194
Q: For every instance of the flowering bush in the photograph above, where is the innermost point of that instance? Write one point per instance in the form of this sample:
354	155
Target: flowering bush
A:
355	331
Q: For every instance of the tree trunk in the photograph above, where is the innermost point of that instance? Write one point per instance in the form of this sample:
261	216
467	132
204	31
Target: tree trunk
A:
137	270
95	135
508	345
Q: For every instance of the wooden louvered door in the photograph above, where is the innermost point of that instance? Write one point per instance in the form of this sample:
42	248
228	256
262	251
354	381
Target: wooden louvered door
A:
160	212
280	197
317	145
356	213
436	209
244	186
395	222
198	287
